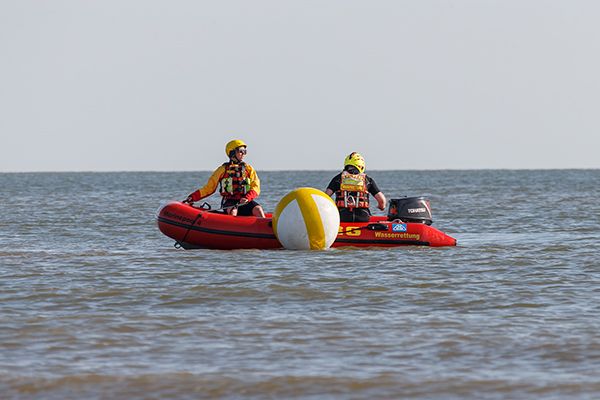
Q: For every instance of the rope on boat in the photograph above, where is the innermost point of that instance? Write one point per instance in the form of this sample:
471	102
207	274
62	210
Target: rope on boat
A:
179	242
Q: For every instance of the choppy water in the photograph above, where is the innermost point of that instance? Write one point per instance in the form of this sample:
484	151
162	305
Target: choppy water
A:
96	303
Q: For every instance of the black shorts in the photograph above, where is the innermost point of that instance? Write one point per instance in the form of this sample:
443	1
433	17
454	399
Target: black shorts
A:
356	215
243	210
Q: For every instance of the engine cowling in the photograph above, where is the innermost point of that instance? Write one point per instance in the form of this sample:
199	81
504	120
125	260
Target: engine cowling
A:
410	209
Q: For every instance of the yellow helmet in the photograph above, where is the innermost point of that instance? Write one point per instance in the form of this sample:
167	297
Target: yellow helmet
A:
234	144
356	160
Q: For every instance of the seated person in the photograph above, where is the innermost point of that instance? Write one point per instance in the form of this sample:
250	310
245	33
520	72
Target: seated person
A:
238	184
352	188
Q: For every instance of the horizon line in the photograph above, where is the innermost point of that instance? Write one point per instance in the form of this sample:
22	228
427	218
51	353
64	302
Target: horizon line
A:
303	170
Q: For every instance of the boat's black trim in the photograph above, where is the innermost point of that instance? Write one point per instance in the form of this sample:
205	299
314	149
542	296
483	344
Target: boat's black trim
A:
217	231
268	236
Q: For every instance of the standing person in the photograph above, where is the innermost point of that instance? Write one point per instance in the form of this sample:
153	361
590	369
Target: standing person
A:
352	187
238	183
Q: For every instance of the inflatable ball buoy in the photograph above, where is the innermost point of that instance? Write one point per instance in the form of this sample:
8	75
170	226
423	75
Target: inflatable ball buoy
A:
306	219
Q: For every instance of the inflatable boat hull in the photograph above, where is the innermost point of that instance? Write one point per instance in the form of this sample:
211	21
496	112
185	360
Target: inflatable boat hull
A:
193	227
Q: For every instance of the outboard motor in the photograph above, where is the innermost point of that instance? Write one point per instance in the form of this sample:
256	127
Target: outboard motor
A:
410	209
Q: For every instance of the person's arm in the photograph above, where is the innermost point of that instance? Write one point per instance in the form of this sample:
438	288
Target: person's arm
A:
381	201
254	185
377	194
207	189
333	186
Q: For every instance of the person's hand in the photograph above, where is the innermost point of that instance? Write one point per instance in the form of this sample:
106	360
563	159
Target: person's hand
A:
243	201
381	207
188	200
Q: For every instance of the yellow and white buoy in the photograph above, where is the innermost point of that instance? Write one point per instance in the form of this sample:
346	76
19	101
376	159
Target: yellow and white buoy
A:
306	219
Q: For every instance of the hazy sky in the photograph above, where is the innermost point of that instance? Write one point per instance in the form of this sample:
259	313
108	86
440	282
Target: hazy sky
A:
163	85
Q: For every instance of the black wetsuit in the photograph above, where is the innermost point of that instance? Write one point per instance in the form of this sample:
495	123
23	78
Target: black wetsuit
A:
245	210
357	214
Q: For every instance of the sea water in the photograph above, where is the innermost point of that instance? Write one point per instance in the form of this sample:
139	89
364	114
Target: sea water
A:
96	303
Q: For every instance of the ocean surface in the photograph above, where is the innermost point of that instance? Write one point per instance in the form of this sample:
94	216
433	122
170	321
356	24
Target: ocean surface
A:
95	303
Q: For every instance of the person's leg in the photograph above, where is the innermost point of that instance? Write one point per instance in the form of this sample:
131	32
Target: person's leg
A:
362	215
252	209
258	211
247	209
229	207
346	215
356	215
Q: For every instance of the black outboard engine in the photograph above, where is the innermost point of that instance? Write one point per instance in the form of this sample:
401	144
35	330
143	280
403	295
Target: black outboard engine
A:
410	209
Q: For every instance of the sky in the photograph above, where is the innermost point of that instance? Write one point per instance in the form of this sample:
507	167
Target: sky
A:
148	85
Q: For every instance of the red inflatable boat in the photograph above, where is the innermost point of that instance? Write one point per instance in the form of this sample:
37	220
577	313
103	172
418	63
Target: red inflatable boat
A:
193	227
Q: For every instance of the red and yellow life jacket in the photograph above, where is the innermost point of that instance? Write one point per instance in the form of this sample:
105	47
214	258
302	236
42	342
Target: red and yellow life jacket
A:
234	183
353	191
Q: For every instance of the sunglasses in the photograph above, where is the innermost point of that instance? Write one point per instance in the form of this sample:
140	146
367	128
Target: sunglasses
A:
242	151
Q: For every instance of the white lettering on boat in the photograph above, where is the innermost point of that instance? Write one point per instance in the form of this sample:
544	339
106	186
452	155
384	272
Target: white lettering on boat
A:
389	235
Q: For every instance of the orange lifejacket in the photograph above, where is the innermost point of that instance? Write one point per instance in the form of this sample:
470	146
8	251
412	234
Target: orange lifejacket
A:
235	182
353	191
